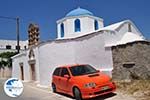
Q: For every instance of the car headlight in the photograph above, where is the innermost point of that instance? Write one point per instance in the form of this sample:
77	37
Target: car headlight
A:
89	85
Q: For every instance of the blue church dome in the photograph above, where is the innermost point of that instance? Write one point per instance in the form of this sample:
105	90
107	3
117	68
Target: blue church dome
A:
79	11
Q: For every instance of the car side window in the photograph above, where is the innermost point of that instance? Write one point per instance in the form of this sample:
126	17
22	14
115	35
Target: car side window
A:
64	72
57	72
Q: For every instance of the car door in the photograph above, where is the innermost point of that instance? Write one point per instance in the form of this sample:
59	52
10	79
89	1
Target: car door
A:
65	82
56	77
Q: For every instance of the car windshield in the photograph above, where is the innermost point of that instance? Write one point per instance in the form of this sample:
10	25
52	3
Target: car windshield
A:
82	70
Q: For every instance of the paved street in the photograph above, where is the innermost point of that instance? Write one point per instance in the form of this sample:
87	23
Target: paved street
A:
31	92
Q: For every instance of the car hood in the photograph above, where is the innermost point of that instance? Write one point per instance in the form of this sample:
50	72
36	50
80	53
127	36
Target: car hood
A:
98	78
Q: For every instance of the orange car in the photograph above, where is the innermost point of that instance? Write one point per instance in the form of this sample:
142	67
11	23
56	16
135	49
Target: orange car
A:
81	81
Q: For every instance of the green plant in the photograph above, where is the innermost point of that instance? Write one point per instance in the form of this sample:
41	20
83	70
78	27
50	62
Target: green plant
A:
8	61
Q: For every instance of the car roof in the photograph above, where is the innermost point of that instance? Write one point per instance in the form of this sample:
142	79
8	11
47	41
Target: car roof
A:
71	65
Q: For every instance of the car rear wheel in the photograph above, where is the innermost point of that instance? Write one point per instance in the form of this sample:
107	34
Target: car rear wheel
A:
54	88
77	94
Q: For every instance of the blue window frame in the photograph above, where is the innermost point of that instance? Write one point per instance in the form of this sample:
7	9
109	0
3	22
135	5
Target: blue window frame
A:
62	29
77	25
96	25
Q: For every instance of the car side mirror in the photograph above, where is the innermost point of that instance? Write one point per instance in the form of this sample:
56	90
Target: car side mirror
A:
67	76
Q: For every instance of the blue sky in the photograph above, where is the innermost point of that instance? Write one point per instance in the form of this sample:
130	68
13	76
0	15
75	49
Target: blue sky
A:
45	13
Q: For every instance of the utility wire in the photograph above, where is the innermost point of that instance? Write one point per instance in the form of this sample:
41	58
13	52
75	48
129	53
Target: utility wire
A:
8	17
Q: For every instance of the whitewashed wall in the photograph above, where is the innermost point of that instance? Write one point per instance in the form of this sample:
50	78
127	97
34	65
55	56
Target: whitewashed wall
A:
85	50
92	51
52	55
16	72
24	59
114	37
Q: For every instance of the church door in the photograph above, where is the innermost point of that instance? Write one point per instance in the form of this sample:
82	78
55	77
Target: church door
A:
22	72
33	76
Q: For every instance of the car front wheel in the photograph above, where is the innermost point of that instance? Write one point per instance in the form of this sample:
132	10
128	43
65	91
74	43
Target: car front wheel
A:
77	94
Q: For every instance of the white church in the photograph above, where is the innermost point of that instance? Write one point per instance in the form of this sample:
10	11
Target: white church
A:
82	38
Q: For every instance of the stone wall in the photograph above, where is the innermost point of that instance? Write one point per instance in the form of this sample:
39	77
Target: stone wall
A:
131	61
5	73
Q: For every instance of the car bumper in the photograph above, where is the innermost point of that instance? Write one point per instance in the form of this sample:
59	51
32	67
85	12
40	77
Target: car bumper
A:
97	91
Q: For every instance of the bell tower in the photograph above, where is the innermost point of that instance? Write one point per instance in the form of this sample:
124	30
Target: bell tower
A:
33	35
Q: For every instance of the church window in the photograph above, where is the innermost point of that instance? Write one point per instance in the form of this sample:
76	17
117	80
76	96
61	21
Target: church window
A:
129	28
77	25
62	30
96	25
25	47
